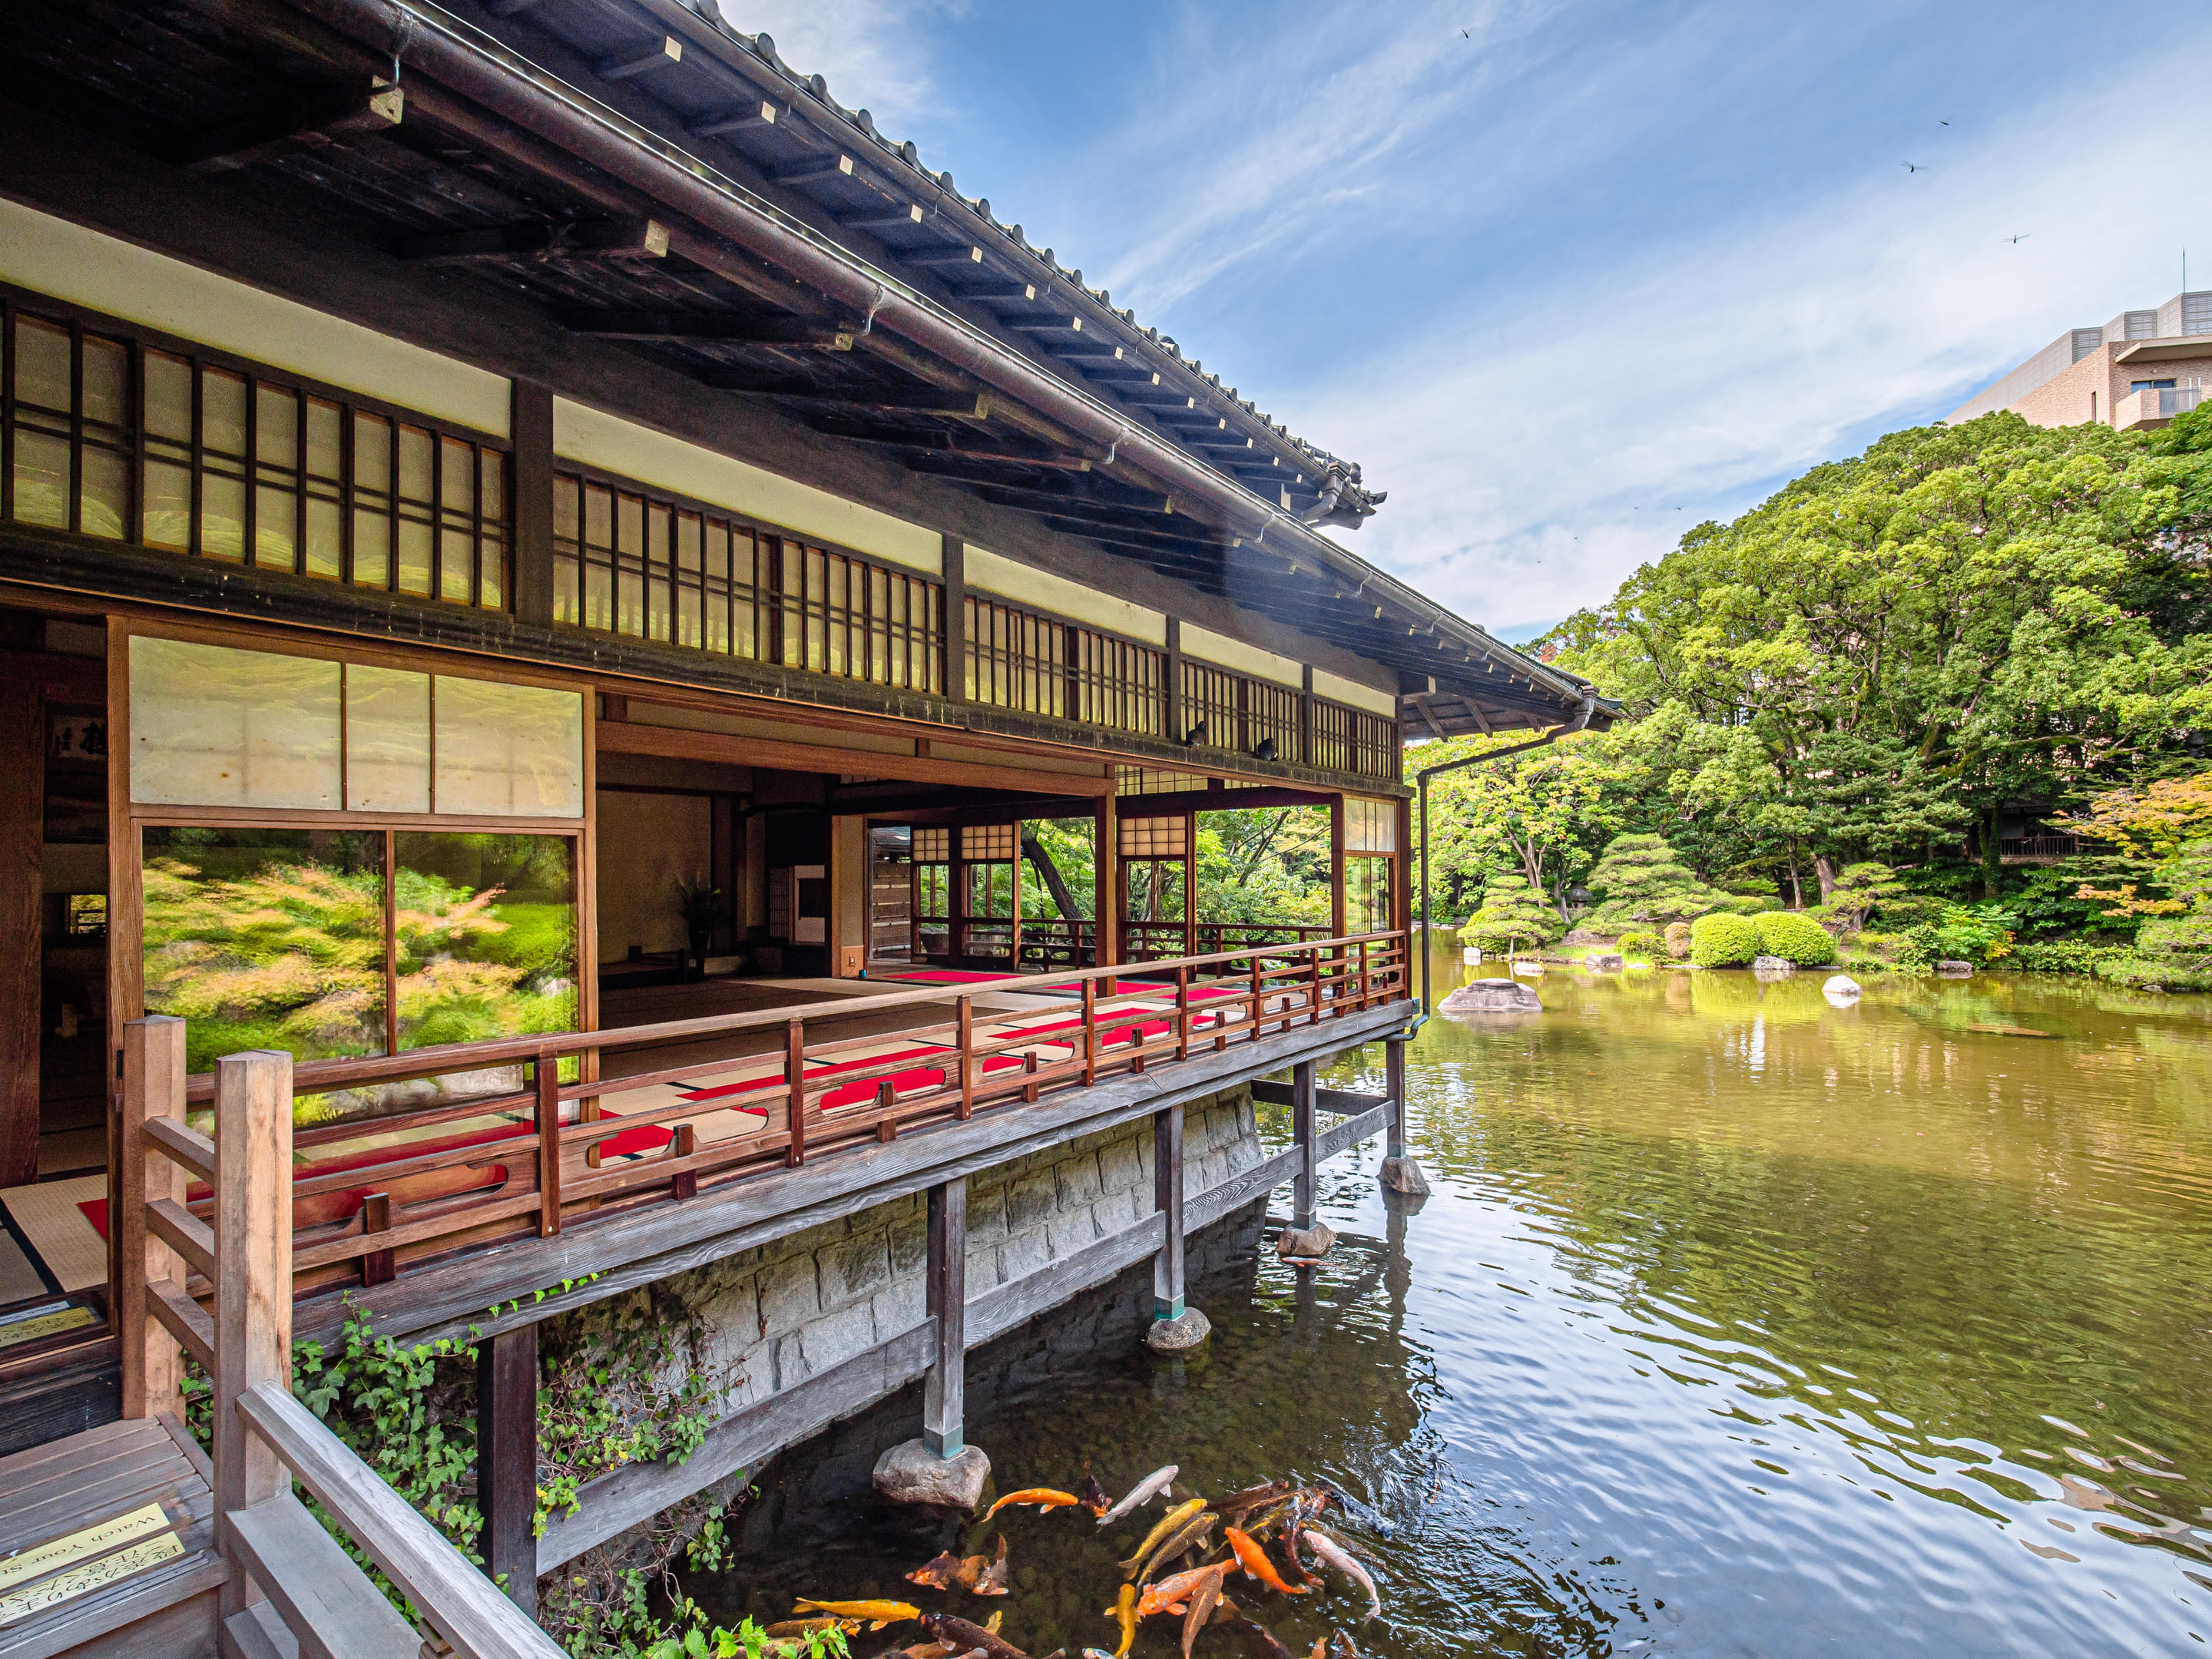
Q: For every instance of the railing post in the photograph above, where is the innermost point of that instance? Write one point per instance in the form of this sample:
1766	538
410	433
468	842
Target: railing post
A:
1400	1173
1175	1326
153	1086
507	1461
549	1144
966	1052
1090	1031
943	1405
1183	1013
794	1078
253	1281
1366	982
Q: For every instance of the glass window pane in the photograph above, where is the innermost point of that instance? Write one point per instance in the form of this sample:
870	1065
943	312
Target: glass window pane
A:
223	516
107	382
275	427
267	939
509	750
42	365
214	727
168	397
42	479
387	739
487	935
167	512
222	411
104	492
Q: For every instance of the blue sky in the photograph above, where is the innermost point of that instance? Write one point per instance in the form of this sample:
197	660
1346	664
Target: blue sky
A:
1566	277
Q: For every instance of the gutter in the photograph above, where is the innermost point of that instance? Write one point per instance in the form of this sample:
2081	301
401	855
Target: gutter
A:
448	50
1581	720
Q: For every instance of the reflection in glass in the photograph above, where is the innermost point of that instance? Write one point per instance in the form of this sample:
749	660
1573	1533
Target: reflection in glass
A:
486	936
267	939
212	726
509	750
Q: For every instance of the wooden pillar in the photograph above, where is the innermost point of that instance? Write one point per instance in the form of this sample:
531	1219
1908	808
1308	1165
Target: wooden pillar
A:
530	428
956	617
1394	1085
1302	1133
253	1281
507	1461
1106	885
1190	884
1336	925
153	1086
1014	903
946	1286
22	853
1167	1198
1401	871
1305	754
1171	716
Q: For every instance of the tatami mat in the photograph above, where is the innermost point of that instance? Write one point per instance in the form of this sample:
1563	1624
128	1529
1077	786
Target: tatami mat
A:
48	1217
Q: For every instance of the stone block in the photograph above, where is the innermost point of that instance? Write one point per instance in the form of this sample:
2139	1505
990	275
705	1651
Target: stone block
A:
900	1305
836	1337
790	1363
911	1474
982	1266
909	1246
1075	1181
1243	1153
1022	1252
1029	1200
789	1295
1121	1167
987	1211
855	1267
1069	1233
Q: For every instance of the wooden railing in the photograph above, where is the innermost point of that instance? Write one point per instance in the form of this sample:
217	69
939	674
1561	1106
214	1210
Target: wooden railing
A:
550	1140
1162	941
292	1588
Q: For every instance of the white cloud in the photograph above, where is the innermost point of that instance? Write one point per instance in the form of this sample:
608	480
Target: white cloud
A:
873	54
1529	474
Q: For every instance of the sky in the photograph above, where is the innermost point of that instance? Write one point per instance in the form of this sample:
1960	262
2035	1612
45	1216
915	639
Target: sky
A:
1566	277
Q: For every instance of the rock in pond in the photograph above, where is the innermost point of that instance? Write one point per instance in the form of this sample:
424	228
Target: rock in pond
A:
1840	985
909	1473
1179	1334
1948	969
1772	967
1605	962
1492	996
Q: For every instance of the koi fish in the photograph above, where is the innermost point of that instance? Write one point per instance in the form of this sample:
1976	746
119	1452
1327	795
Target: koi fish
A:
1168	1523
1240	1502
942	1573
960	1636
1171	1593
1254	1560
1328	1550
1203	1600
1044	1498
1124	1610
992	1581
1093	1496
1187	1540
874	1615
1293	1524
1141	1494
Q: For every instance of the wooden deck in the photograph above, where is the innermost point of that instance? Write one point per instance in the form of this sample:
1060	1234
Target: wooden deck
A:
66	1486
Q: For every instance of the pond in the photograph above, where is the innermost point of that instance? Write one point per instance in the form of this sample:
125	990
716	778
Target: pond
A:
1737	1323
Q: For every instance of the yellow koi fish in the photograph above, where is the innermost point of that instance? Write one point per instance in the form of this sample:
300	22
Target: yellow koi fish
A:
1168	1524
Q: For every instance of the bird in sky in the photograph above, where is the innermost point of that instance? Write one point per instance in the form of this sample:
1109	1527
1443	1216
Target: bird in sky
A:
1942	124
1914	167
2017	241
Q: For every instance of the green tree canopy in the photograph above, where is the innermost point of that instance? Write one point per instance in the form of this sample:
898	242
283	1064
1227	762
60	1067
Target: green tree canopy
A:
1640	878
1513	914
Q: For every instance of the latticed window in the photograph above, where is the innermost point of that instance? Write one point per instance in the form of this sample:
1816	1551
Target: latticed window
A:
630	561
1370	826
1153	838
987	842
1355	740
1239	712
1019	659
189	451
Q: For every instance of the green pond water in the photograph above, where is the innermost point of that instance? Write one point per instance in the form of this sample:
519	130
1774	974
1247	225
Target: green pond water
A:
1737	1323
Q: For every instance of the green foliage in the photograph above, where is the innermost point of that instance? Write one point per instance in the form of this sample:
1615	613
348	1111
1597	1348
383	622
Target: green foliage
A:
1721	939
1866	890
2173	952
1542	814
2153	974
1794	938
1511	914
2063	955
1640	942
1641	878
1979	933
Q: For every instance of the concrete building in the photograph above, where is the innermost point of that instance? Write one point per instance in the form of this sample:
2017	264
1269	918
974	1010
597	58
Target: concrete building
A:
2138	372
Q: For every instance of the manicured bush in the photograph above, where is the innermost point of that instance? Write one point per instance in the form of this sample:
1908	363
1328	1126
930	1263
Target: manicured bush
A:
1678	941
1642	878
1638	942
2065	955
1745	905
1796	939
1722	941
2153	974
1513	914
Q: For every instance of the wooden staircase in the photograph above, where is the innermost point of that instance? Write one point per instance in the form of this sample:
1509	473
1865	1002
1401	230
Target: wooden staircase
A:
162	1611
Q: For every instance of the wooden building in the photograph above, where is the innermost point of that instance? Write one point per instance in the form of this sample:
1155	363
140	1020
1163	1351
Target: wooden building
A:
532	518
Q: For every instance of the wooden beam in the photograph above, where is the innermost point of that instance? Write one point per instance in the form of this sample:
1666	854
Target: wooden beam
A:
909	216
947	1292
806	173
740	119
327	120
679	742
727	327
624	65
153	1087
530	428
586	239
22	854
507	1461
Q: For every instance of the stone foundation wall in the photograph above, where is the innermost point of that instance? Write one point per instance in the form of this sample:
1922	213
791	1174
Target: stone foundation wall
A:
777	1315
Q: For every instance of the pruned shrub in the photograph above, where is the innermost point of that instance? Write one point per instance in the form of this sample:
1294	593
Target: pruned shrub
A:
1794	938
1722	941
1638	942
1513	914
1642	878
1678	941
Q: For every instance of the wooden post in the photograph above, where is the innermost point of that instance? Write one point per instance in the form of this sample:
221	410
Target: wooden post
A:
1336	920
966	1051
1190	884
530	430
1394	1085
1167	1198
253	1281
1105	884
1183	1013
22	843
942	1405
507	1461
1014	904
794	1078
1171	725
1302	1133
955	568
1306	717
549	1144
377	1266
1090	1031
153	1086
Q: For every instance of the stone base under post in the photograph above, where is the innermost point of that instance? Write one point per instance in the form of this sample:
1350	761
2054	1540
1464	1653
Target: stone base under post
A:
1179	1334
1402	1174
1302	1247
910	1473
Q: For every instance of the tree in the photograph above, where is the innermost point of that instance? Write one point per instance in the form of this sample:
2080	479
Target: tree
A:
1542	814
1640	878
1512	911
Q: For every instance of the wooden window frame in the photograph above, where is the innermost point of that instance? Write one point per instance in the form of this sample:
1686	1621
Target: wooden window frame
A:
139	340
